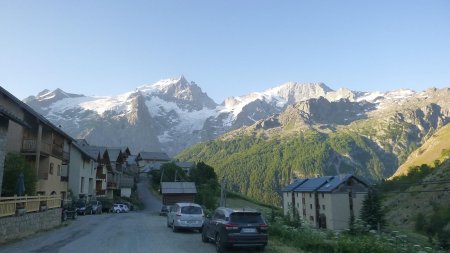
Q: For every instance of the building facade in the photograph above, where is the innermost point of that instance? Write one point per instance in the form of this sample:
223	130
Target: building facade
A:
325	202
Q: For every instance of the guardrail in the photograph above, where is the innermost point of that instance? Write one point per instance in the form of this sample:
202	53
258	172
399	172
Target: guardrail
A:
9	206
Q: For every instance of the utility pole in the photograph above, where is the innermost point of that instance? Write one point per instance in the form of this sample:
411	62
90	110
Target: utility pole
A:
223	197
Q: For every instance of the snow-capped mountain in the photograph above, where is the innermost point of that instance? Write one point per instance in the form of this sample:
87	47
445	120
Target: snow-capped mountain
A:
173	114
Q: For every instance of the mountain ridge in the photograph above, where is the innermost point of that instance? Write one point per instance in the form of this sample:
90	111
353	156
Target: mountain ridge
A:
181	114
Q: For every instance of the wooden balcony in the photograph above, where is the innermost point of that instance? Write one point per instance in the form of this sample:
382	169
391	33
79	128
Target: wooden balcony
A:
100	193
30	146
100	176
111	185
57	150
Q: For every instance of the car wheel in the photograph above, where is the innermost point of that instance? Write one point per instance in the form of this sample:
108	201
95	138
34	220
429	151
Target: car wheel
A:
204	237
219	244
174	229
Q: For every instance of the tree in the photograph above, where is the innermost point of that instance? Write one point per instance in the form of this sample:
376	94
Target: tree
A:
170	172
14	165
372	213
207	185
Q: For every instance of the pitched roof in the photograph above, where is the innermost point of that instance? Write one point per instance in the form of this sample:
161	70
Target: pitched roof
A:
9	115
85	152
313	184
31	111
161	156
338	180
178	187
114	153
96	148
293	185
131	160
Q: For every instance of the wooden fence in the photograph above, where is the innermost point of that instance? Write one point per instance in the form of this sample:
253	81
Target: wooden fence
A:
9	205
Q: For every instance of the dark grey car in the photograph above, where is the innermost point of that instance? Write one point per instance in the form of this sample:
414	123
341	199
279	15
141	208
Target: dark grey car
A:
96	207
244	227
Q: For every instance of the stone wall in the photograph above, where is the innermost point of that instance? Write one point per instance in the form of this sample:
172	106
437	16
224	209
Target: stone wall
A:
17	227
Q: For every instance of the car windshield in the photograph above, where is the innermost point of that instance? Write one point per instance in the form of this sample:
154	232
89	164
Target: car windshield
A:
191	210
246	218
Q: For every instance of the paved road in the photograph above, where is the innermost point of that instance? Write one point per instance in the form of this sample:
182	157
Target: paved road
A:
142	231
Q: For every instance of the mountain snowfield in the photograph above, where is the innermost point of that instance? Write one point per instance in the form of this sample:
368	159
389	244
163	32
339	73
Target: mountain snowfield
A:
174	113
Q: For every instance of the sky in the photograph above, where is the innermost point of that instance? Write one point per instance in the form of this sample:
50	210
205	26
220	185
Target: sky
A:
228	47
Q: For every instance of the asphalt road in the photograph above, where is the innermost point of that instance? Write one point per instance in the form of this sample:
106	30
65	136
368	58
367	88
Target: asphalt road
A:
141	231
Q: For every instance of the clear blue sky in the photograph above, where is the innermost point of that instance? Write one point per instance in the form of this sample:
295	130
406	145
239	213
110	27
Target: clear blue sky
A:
229	47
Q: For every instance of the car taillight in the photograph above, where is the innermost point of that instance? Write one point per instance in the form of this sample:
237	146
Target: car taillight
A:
231	226
263	227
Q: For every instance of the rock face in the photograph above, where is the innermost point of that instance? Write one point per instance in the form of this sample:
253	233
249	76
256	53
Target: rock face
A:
173	114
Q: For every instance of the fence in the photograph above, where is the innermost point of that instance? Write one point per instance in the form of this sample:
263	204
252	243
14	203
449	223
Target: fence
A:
9	205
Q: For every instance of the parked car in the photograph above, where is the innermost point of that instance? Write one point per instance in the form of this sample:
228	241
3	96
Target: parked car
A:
185	215
244	227
96	207
82	208
119	208
164	210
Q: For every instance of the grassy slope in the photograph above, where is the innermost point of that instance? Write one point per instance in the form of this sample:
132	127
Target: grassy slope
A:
404	207
429	152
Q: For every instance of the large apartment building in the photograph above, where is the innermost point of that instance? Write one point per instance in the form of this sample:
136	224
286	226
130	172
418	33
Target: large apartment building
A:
325	202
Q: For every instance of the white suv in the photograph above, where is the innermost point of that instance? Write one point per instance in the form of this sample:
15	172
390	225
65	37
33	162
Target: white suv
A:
185	215
120	208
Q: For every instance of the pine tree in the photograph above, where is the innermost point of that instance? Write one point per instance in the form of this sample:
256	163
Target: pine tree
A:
372	213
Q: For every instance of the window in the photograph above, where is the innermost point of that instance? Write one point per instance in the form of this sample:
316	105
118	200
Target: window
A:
310	206
82	185
50	171
323	195
298	204
311	218
323	207
310	195
58	171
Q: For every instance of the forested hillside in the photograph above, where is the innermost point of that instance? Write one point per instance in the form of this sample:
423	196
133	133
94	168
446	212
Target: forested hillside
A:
259	167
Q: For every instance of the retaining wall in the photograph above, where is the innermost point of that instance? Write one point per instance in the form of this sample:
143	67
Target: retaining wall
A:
16	227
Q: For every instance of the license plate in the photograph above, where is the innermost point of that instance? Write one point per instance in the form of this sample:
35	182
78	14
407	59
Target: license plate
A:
191	221
248	230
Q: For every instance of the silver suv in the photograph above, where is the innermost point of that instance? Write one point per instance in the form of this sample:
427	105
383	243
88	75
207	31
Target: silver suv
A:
185	215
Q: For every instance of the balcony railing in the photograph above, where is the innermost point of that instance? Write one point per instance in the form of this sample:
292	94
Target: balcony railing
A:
57	150
100	176
111	185
30	145
100	193
9	205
